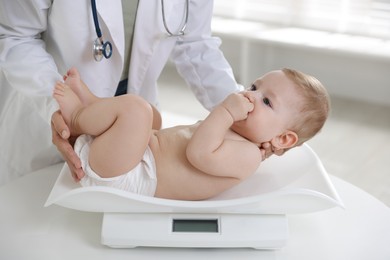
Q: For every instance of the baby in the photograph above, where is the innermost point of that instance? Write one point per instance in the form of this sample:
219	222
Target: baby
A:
118	146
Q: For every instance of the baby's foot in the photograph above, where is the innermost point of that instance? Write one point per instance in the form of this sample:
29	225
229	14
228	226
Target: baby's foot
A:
69	102
73	80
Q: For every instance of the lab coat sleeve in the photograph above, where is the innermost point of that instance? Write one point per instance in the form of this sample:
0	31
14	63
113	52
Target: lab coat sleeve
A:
199	60
26	65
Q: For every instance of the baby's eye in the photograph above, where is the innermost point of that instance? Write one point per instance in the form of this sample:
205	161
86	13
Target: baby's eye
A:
267	102
252	87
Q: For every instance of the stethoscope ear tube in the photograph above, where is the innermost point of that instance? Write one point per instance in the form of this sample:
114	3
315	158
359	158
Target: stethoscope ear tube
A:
100	48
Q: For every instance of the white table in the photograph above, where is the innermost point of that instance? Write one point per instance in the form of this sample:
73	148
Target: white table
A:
30	231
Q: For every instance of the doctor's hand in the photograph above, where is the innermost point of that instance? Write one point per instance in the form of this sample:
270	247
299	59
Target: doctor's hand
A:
62	139
267	150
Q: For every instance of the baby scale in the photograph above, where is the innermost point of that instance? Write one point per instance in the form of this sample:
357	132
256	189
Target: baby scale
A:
251	214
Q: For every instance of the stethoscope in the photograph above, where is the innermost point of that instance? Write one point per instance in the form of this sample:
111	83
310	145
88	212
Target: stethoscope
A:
104	49
183	28
100	48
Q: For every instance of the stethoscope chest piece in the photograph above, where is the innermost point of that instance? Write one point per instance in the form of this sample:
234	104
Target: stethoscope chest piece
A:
101	49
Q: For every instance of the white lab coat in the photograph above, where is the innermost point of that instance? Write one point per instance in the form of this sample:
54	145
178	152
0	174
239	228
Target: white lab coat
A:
41	39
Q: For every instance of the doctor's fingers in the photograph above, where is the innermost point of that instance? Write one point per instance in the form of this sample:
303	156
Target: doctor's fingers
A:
59	126
269	150
266	149
74	165
69	155
73	162
76	171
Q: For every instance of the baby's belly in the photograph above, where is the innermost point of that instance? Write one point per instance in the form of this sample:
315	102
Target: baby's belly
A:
176	177
182	184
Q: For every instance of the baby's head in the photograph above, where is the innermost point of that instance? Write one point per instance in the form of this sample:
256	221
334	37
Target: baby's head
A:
290	107
314	108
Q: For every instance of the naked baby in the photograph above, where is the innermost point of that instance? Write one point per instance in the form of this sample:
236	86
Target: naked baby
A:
119	147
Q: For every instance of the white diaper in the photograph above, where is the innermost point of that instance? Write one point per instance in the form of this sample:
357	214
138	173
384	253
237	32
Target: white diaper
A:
141	180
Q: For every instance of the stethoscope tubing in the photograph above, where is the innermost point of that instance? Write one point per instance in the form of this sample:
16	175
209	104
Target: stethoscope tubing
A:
183	28
95	19
101	48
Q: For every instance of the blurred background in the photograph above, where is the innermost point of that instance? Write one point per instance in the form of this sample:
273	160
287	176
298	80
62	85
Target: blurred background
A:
344	43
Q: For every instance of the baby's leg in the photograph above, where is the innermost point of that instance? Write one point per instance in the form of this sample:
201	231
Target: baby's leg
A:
73	79
124	144
121	126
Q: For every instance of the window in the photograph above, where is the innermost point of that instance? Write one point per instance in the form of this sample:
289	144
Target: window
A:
357	17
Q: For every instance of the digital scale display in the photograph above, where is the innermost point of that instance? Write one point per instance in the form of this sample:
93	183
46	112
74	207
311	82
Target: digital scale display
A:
195	225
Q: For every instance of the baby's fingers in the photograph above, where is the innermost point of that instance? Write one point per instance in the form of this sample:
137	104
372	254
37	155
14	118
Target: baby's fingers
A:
249	101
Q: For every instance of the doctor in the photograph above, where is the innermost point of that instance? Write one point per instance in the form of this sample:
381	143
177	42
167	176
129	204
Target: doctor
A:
41	39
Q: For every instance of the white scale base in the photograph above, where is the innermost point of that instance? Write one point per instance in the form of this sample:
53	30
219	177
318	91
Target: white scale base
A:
251	214
124	230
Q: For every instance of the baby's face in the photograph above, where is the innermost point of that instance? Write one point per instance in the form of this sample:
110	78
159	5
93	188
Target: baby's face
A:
276	103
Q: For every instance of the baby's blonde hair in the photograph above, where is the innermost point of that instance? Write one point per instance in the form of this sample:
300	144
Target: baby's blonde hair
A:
315	107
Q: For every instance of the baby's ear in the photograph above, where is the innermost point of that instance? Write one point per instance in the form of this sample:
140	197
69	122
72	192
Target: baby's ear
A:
286	140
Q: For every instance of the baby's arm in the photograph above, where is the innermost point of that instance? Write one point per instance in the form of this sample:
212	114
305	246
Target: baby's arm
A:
211	152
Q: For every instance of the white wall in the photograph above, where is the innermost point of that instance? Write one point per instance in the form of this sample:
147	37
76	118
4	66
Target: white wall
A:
352	67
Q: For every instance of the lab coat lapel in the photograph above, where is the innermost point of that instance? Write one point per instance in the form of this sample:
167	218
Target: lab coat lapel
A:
148	32
112	17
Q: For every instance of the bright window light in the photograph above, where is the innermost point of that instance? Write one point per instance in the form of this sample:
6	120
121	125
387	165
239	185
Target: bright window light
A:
356	17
